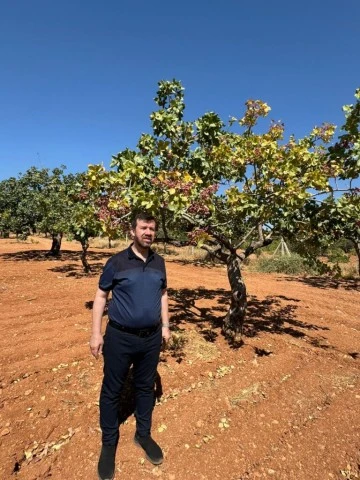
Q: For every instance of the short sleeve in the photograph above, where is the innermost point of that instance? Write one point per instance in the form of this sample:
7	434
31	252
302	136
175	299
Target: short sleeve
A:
107	276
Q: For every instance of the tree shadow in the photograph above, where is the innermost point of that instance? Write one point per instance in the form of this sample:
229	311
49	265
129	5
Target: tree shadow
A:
327	282
127	402
66	259
77	271
183	306
195	263
43	256
268	315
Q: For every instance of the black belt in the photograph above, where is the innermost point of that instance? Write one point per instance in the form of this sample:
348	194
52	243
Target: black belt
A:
140	332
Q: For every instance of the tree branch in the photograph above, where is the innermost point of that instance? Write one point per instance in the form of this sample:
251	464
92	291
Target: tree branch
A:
244	239
216	252
222	239
262	242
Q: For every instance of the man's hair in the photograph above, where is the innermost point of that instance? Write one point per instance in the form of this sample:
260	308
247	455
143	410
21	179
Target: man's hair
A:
146	217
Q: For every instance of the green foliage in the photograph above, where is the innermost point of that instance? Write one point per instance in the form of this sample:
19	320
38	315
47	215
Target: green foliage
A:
345	245
347	148
54	208
176	172
319	225
293	265
35	201
82	222
337	255
50	202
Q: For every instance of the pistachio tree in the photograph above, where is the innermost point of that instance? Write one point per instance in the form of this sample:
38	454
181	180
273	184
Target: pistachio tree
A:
232	184
327	218
82	222
340	218
344	216
10	193
35	202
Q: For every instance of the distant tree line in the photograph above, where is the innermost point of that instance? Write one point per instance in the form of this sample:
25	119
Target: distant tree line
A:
49	202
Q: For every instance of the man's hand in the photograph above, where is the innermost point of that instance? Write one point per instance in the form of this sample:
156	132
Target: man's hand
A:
166	334
96	344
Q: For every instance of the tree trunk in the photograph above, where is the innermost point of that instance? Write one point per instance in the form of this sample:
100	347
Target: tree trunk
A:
85	246
234	320
109	242
56	244
357	250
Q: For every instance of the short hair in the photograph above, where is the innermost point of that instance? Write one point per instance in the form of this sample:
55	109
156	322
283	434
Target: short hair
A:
146	217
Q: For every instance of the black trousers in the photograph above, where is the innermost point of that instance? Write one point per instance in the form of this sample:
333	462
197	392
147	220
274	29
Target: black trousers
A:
121	350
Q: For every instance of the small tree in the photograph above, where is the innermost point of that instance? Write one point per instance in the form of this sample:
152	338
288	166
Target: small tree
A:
83	223
35	202
21	201
55	208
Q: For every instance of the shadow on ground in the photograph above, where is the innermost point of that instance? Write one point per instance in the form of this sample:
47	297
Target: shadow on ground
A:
77	271
327	282
268	315
195	262
70	269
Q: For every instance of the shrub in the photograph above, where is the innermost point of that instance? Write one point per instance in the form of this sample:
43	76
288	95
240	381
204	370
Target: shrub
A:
176	345
345	245
293	265
351	273
337	255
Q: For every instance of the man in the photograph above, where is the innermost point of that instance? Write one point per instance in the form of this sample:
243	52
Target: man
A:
138	321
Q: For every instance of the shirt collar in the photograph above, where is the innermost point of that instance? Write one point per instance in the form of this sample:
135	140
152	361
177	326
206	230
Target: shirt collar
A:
132	254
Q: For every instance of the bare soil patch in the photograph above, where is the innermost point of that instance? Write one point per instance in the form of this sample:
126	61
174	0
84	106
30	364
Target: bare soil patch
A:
284	406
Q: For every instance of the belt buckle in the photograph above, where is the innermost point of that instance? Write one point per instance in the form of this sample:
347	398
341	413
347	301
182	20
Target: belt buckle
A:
143	332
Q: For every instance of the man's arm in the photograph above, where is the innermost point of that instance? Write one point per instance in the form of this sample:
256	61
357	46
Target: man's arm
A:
166	333
96	340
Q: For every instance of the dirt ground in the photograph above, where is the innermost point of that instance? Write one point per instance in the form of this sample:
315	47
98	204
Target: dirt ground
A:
284	406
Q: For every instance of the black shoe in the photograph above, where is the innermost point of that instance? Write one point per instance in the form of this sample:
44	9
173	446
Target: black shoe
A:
151	448
106	465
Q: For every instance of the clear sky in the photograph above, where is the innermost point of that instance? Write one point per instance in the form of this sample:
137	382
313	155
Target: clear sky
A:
78	77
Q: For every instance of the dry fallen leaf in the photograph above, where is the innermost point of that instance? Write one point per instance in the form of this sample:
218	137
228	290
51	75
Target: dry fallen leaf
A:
224	423
162	428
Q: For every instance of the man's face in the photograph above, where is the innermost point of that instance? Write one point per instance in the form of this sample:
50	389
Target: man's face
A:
144	233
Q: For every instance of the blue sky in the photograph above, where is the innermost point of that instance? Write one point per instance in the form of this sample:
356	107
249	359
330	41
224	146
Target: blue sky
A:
78	77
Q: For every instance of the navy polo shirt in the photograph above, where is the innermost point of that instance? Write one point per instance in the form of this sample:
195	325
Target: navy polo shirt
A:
136	288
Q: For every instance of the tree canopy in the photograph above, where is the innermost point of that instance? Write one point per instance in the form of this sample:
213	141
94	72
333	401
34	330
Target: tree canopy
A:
230	183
